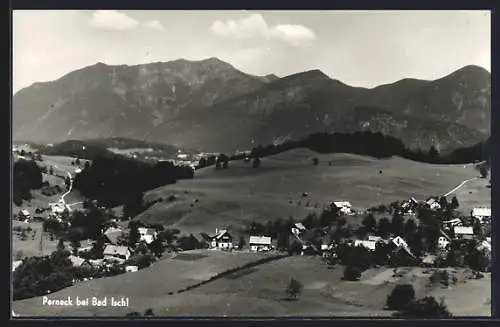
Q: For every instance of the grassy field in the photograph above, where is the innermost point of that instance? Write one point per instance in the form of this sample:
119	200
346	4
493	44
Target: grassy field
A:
241	194
260	291
146	288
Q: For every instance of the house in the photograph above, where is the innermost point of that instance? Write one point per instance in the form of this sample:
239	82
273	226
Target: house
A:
16	264
433	203
131	268
112	235
465	233
481	213
453	222
374	238
399	242
370	245
24	215
443	242
260	243
298	229
147	235
117	252
221	239
343	207
76	261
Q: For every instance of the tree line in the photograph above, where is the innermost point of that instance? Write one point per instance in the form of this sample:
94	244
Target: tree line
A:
115	180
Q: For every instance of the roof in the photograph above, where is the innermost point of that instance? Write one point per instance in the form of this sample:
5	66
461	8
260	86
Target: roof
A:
25	212
146	231
367	244
112	234
262	240
116	249
463	230
16	264
399	241
431	201
340	204
374	238
76	261
219	234
481	212
300	226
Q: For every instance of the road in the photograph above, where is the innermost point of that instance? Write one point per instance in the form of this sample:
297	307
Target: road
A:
459	186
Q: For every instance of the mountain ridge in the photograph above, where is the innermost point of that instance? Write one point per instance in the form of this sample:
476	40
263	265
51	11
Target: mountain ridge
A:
199	104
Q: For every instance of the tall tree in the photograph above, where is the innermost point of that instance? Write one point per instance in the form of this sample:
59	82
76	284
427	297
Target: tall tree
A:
75	245
60	245
134	235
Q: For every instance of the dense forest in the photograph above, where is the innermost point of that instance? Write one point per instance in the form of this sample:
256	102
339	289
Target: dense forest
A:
27	176
116	180
376	145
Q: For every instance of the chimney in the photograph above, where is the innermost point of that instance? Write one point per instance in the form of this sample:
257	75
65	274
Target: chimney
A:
216	231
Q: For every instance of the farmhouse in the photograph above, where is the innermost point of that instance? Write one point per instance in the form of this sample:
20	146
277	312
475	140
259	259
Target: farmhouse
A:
16	264
221	239
24	215
481	213
260	243
298	229
112	235
443	242
116	252
131	268
370	245
343	207
465	233
433	203
147	235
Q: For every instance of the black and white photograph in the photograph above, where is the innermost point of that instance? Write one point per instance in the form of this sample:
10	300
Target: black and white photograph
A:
246	163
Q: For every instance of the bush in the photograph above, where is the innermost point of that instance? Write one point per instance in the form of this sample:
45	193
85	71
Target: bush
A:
426	307
400	297
352	273
293	289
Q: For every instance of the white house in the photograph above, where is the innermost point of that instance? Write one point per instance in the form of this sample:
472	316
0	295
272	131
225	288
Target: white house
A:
370	245
260	243
117	251
481	213
24	214
16	264
463	232
221	239
76	261
298	229
344	207
131	268
147	235
433	204
443	242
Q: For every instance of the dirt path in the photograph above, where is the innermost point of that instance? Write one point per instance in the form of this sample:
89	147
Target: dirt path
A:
459	186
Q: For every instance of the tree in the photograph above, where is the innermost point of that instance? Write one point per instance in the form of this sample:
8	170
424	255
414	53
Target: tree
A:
409	229
352	273
67	181
134	205
241	243
477	260
397	225
60	245
315	161
75	245
134	235
426	307
483	170
443	202
293	289
51	170
384	227
256	162
77	161
157	247
149	312
295	248
400	297
454	203
370	223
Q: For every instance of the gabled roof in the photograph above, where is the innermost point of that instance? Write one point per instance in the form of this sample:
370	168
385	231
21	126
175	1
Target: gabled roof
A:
16	264
261	240
25	212
341	204
219	234
116	250
481	212
76	261
399	241
460	230
113	234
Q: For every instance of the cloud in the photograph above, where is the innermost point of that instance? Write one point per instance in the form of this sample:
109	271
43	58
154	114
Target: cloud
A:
155	25
255	25
112	20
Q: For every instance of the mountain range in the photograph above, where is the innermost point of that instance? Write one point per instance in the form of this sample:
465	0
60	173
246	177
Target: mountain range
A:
209	105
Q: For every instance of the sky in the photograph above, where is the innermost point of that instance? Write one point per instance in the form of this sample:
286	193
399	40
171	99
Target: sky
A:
359	48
